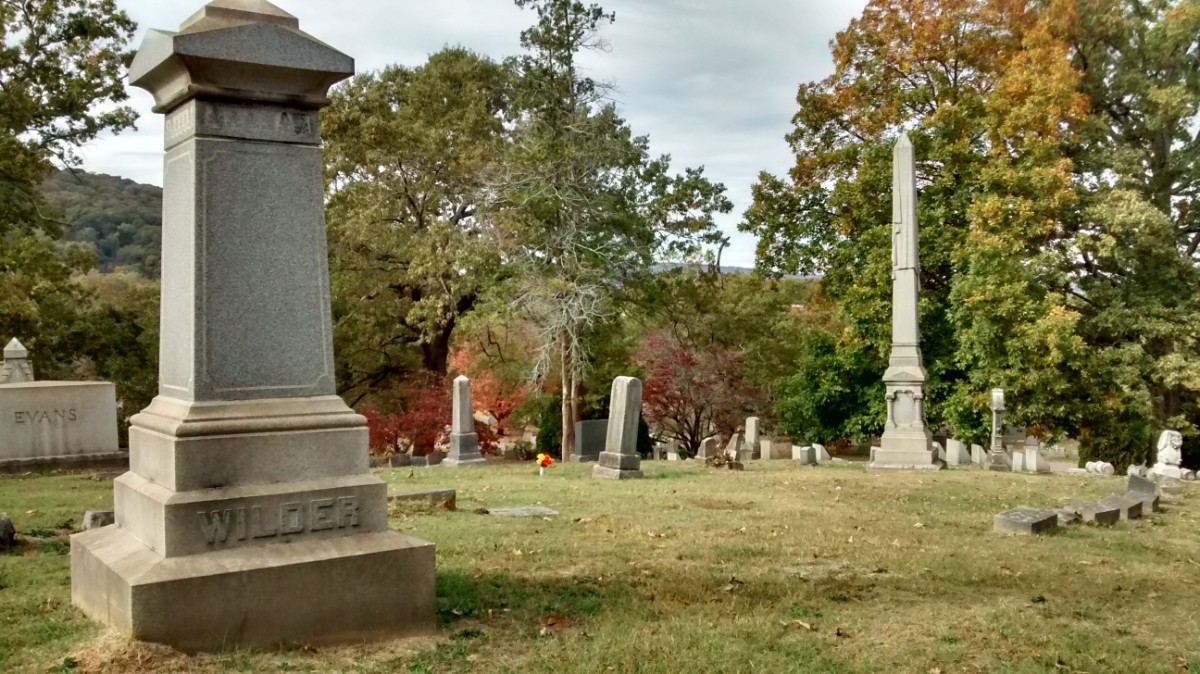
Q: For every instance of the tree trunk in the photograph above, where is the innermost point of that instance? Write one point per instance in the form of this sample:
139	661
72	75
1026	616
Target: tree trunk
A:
568	401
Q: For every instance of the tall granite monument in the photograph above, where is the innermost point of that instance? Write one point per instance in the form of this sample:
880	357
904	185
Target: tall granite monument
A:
464	441
249	517
906	441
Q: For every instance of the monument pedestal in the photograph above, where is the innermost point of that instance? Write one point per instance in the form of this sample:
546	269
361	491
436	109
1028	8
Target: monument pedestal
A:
370	586
464	451
615	466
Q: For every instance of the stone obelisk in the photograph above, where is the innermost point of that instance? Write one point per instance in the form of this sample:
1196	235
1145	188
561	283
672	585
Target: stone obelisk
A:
906	441
464	442
248	517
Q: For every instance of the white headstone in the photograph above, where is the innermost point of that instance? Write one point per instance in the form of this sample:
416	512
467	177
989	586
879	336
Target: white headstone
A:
464	441
16	369
753	438
956	453
620	460
819	453
249	517
1169	455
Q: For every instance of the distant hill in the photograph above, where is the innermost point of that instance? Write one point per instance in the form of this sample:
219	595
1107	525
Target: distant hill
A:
122	219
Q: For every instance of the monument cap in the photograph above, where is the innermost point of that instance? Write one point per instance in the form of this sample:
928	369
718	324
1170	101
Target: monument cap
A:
15	350
277	62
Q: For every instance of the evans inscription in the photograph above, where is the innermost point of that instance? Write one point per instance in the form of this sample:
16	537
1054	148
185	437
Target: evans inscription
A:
244	523
47	416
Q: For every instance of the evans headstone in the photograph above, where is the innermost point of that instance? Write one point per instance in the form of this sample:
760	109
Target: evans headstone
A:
620	460
464	442
249	517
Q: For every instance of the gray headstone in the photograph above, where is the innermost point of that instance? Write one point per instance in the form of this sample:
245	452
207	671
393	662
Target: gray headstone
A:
1097	513
1066	516
8	533
819	453
956	453
464	442
1130	508
400	461
1141	485
620	460
590	437
94	519
978	455
708	448
1026	520
753	437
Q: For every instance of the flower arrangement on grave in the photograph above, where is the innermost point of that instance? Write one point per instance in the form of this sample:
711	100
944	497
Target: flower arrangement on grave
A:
544	460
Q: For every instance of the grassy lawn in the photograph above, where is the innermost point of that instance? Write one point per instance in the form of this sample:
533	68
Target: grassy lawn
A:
780	568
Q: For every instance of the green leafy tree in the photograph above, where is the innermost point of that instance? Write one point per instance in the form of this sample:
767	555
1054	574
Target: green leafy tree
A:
586	209
408	155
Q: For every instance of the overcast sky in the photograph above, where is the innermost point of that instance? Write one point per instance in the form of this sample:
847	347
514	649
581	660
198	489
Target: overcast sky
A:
711	82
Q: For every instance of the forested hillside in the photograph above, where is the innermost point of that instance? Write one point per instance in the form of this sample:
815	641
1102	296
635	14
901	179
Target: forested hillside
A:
120	218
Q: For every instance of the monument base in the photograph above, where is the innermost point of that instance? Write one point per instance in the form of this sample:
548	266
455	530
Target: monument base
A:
905	459
618	466
344	590
584	458
74	462
464	460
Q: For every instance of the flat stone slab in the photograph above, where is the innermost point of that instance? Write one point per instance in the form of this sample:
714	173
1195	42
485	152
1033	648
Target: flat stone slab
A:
1097	513
1140	485
1026	520
1067	516
444	498
1130	508
523	511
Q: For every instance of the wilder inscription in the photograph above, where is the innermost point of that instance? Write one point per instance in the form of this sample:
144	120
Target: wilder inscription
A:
252	522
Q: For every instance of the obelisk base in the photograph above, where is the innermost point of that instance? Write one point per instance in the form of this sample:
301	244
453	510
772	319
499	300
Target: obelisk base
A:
618	466
344	590
464	451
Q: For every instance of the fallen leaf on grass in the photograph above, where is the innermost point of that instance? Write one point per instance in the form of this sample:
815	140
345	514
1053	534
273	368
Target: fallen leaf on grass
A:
582	520
557	621
797	623
918	525
734	584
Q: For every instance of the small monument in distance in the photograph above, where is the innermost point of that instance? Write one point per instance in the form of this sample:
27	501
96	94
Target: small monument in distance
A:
906	442
52	424
16	369
249	516
464	442
620	460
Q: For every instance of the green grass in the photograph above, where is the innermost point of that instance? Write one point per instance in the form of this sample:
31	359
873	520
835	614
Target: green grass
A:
780	568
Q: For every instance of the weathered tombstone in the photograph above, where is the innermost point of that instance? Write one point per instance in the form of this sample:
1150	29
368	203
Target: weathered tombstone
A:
401	460
54	423
737	450
673	450
1144	490
708	448
590	437
1026	520
1169	457
1018	462
753	439
1139	471
8	533
16	369
956	453
978	455
1131	508
620	460
819	453
1097	513
464	442
806	455
249	517
777	447
906	441
94	519
1106	468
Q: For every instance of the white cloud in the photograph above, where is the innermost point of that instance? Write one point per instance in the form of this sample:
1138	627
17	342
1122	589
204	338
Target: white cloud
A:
711	82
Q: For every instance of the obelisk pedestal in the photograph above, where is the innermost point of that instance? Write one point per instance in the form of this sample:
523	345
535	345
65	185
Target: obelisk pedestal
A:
249	517
464	442
906	442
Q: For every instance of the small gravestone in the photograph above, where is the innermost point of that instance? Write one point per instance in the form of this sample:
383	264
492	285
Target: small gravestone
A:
1130	508
523	511
1145	491
464	442
1026	520
8	533
590	437
708	448
400	460
805	455
819	453
956	453
1018	462
620	460
738	450
978	456
778	447
94	519
753	438
1035	462
1097	513
443	498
